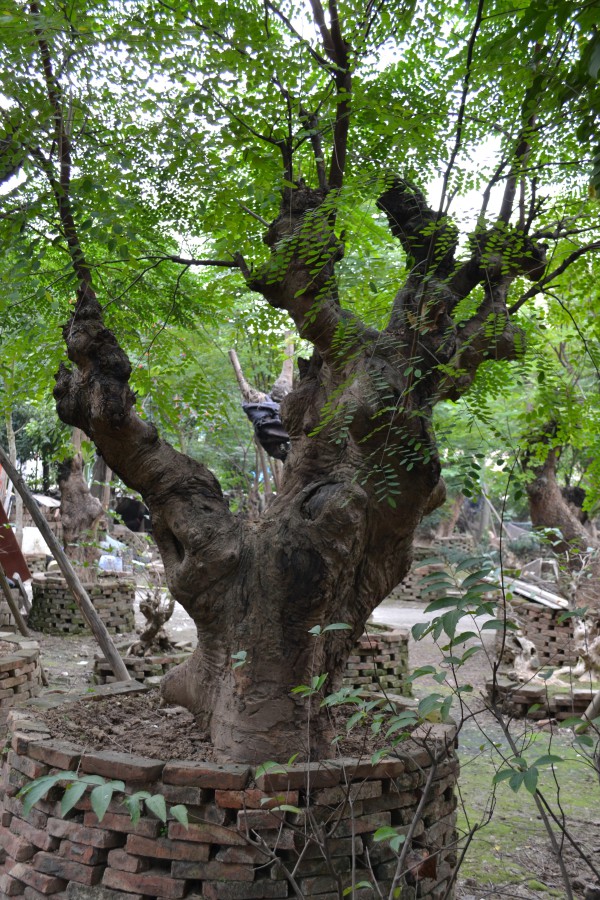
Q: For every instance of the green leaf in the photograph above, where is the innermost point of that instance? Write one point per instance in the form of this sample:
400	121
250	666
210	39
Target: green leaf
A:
362	885
38	789
156	804
270	766
72	795
180	813
338	626
530	779
100	798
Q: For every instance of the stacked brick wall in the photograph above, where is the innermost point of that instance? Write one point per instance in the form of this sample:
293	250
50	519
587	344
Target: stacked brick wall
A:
538	701
6	617
139	667
36	562
20	674
553	639
239	845
379	661
54	610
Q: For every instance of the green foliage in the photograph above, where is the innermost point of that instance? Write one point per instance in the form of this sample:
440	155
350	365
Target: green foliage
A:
101	794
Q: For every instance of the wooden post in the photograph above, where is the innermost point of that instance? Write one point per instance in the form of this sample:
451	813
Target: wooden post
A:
84	603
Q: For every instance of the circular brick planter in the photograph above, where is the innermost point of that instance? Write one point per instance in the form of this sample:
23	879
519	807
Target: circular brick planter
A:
54	611
239	846
20	674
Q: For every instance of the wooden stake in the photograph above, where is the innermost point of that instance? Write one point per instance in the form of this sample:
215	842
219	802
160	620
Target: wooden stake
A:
84	603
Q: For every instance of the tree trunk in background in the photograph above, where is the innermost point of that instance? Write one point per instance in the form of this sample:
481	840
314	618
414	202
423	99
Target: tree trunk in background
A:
446	526
12	453
80	515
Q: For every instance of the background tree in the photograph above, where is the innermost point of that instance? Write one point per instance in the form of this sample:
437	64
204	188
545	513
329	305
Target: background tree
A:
207	119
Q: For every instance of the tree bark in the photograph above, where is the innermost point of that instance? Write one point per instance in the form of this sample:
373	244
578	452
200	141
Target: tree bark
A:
12	453
80	515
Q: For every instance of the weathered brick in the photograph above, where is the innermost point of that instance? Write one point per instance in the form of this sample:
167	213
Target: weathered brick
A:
206	775
30	767
252	798
18	848
259	819
361	790
306	775
116	822
188	794
81	892
45	884
31	894
242	855
35	817
358	769
164	848
362	824
52	864
259	890
213	871
89	856
335	847
124	766
119	859
205	834
58	754
80	834
10	886
154	883
35	836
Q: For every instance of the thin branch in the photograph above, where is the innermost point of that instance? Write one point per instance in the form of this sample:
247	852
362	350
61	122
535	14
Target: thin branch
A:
219	263
463	101
253	214
319	17
288	24
311	122
539	285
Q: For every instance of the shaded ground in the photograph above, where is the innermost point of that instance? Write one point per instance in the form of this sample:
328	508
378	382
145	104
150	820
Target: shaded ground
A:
510	854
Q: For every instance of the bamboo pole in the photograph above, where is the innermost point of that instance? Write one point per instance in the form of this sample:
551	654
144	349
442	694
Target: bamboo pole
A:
84	603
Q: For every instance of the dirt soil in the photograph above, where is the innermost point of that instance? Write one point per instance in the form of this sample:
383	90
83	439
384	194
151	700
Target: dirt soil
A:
510	855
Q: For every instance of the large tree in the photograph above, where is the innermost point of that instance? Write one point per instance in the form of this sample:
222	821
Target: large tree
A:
213	117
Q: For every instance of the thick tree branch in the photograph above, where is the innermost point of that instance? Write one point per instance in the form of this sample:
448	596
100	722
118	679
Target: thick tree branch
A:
539	285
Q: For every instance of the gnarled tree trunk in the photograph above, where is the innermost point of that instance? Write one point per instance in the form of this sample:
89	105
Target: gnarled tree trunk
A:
80	514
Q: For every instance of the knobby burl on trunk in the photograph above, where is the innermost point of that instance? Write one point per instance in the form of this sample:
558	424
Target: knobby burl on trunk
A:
362	470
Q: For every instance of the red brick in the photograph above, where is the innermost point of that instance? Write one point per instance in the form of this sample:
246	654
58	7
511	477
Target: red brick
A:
9	886
35	817
205	834
31	768
116	822
252	798
260	819
89	856
35	836
52	864
124	766
154	883
12	661
355	769
79	834
185	793
206	775
58	754
213	870
31	894
164	848
305	776
119	859
244	855
265	888
362	824
45	884
18	848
